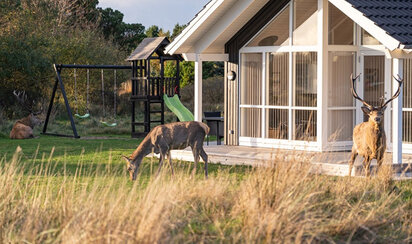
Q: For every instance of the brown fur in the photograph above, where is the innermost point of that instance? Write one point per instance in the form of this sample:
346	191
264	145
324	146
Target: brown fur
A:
23	128
369	140
164	138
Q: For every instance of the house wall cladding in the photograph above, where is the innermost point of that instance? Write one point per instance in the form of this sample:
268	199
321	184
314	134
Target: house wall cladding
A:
232	47
231	106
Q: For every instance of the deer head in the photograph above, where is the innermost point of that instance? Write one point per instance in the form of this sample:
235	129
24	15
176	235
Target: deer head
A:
375	113
21	97
131	168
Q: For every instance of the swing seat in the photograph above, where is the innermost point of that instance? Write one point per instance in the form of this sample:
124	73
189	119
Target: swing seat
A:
108	124
85	116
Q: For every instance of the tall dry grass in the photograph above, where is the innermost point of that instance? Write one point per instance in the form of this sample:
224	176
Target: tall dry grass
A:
279	203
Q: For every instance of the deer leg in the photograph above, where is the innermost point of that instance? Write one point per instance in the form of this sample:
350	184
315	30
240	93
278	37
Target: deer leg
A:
352	161
379	160
205	158
196	160
162	157
169	158
366	165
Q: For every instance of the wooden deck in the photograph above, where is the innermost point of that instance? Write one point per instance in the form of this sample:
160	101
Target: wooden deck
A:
329	163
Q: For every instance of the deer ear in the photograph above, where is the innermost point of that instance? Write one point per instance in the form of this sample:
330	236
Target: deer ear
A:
365	109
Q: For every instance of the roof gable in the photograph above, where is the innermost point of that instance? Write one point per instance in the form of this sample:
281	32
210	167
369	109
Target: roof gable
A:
394	17
147	47
215	25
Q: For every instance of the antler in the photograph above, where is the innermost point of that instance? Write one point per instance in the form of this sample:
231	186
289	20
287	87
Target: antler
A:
21	97
400	81
355	94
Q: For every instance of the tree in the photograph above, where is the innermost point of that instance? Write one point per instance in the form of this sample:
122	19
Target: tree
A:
127	36
36	35
133	34
177	30
187	73
111	23
163	33
153	31
212	69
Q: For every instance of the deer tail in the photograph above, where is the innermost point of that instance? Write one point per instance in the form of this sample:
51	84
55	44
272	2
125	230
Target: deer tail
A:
205	127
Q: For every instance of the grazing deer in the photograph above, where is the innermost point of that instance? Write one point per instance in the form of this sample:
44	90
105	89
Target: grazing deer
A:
164	138
369	139
23	128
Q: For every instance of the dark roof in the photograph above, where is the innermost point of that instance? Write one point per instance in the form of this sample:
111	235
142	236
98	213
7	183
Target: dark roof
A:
147	47
395	17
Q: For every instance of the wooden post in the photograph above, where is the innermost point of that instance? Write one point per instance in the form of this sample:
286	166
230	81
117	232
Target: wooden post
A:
56	83
322	76
66	102
198	89
397	113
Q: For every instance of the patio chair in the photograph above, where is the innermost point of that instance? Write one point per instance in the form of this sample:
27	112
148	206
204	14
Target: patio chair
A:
213	125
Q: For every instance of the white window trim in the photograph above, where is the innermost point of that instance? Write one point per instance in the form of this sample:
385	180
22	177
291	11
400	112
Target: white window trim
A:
264	50
359	51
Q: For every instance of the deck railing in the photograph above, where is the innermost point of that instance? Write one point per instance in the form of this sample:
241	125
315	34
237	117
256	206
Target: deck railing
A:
154	86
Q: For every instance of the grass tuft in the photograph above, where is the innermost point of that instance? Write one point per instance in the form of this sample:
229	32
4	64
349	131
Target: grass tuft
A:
55	197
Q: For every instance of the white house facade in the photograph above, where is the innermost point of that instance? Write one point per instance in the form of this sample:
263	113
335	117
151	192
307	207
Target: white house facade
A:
288	65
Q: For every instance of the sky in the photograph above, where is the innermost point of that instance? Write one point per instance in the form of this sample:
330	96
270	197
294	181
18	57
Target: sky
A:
163	13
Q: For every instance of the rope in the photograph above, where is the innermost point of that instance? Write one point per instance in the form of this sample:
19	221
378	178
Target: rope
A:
87	95
75	91
104	112
114	95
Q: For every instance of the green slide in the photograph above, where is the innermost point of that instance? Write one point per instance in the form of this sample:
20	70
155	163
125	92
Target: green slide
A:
174	104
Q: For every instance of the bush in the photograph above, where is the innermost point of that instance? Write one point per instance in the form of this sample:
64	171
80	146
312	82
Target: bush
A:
37	33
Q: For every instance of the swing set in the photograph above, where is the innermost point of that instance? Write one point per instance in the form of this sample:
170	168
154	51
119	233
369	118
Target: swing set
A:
87	114
149	89
60	84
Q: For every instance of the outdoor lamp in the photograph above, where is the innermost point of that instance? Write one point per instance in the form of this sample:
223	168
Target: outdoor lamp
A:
231	75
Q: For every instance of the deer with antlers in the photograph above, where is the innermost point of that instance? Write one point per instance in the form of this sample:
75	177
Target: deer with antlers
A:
23	128
369	139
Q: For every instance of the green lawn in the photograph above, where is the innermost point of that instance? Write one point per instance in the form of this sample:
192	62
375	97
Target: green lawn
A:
92	154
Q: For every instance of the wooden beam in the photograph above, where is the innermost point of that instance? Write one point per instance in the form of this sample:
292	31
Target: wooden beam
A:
397	113
399	53
198	89
206	57
322	90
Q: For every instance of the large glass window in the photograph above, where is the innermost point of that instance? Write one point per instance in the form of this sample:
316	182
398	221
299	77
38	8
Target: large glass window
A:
277	123
277	85
305	22
304	125
305	95
277	94
251	82
274	34
305	79
250	123
341	107
251	94
374	79
340	27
